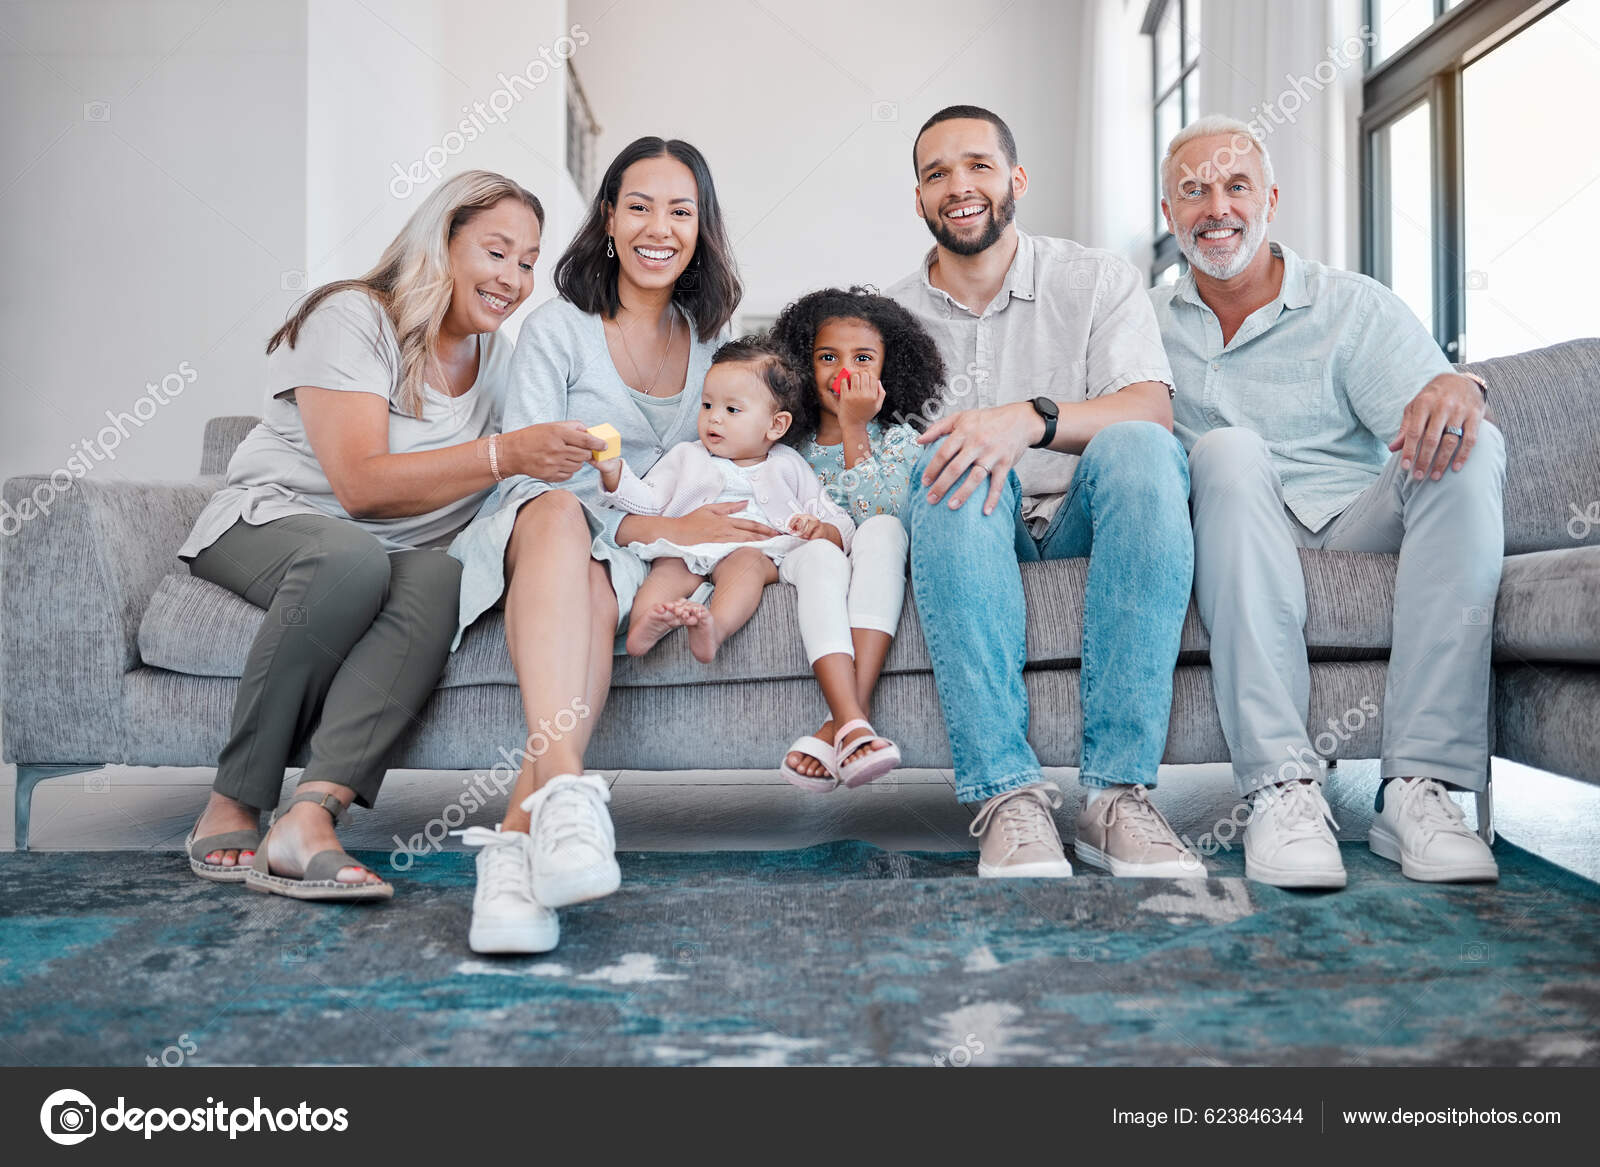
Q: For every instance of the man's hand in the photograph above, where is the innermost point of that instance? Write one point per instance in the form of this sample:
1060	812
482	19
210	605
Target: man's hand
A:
1448	400
991	439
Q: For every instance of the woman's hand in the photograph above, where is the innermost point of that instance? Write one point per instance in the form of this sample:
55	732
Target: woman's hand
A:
551	452
716	522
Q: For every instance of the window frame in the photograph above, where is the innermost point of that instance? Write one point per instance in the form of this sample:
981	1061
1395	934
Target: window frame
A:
1430	68
1164	250
582	132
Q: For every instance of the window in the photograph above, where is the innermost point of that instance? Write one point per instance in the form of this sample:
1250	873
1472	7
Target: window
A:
1173	27
582	130
1474	184
1532	186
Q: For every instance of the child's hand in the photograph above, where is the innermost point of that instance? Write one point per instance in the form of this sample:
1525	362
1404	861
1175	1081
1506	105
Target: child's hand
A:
610	473
806	526
860	398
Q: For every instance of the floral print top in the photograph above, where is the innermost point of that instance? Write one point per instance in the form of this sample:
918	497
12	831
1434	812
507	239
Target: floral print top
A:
878	486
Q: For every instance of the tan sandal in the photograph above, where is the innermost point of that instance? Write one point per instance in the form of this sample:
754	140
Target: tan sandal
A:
318	881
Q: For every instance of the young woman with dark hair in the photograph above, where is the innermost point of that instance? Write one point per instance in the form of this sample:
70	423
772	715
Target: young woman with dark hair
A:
648	287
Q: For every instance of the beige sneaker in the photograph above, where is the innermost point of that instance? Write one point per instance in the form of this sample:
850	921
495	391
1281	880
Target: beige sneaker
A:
1018	837
1123	834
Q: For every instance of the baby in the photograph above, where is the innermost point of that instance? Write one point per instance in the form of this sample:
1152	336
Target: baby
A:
750	397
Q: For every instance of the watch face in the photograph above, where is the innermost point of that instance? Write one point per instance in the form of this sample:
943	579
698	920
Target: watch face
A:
1046	407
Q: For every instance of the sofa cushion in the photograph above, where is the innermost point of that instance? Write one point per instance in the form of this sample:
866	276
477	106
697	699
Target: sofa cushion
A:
1547	403
1547	607
198	628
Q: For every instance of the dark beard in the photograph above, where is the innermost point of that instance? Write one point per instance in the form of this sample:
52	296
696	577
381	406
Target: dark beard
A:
998	222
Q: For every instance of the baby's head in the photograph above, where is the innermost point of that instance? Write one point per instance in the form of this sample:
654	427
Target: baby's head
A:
833	330
749	400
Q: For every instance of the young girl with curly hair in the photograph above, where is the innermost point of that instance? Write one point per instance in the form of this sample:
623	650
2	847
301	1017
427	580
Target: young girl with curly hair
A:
873	370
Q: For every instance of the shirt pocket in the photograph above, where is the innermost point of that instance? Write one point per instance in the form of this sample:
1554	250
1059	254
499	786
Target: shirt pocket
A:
1288	402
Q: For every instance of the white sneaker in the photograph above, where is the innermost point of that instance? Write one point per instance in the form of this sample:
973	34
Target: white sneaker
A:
1287	842
574	843
506	917
1425	832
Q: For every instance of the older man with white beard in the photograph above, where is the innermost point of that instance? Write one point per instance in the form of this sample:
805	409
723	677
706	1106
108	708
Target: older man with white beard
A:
1318	412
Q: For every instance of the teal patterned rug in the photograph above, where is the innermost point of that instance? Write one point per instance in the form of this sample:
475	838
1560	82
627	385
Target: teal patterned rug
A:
836	955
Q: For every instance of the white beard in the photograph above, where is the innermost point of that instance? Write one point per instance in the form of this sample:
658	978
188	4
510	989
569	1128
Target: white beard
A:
1255	233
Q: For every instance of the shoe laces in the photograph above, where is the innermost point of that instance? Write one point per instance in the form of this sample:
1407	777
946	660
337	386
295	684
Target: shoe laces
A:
503	862
571	807
1426	802
1022	816
1144	822
1301	809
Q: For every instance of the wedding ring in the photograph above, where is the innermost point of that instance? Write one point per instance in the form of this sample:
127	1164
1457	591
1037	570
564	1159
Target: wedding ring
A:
1454	430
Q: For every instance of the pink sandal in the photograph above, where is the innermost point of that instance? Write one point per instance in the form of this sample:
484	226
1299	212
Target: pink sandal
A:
811	747
868	764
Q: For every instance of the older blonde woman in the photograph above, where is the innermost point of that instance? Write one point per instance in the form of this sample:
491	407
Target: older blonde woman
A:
376	447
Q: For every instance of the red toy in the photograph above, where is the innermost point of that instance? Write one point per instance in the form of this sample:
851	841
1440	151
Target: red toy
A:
843	375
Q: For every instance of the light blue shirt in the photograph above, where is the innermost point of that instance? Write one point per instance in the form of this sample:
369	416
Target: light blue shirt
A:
1323	373
877	485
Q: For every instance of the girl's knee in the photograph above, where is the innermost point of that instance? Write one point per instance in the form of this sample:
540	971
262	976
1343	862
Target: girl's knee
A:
882	531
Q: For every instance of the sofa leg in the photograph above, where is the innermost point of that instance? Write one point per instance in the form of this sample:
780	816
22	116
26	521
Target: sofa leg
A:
30	776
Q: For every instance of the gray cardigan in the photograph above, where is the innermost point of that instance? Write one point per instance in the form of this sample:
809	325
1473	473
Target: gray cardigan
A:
562	370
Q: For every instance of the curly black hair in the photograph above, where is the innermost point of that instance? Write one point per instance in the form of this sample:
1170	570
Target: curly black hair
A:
789	385
913	371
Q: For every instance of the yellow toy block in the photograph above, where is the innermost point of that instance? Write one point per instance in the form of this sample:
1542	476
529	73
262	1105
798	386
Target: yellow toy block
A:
607	433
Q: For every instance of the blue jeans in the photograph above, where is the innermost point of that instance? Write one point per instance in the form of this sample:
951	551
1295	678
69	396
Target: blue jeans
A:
1128	511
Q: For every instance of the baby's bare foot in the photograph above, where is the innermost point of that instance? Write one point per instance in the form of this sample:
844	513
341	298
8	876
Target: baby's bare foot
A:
702	631
648	631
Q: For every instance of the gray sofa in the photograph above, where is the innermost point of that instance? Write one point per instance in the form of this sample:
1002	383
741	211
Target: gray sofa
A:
113	653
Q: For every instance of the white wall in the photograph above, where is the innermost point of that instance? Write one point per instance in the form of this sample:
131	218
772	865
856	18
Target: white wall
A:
146	232
246	149
387	83
807	111
1267	62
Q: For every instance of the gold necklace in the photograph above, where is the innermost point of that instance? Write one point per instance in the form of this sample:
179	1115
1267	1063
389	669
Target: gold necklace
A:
672	330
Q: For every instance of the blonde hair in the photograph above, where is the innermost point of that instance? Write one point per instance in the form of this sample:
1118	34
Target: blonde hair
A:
412	281
1241	136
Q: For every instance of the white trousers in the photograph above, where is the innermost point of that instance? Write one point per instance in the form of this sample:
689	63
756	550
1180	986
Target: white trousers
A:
867	590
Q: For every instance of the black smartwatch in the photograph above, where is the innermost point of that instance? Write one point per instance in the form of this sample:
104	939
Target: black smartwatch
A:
1048	410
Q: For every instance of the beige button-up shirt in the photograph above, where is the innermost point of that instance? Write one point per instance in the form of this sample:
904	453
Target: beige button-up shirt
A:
1070	323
